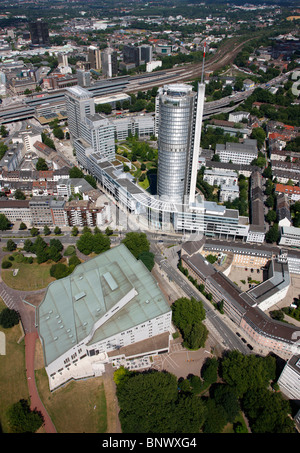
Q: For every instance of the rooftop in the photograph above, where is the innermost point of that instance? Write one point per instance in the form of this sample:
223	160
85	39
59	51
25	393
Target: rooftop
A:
76	308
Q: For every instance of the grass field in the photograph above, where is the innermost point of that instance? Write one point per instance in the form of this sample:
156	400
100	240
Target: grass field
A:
13	382
78	407
30	277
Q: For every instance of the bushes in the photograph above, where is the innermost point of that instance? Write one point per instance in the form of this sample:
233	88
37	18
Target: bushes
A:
6	264
9	318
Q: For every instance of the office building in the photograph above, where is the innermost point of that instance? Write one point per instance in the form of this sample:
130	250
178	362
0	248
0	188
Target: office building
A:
145	54
109	62
39	33
238	153
131	54
179	112
289	380
94	57
98	132
110	309
83	77
79	103
90	131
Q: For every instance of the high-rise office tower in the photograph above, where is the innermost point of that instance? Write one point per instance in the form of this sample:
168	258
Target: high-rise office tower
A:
137	55
145	54
179	112
94	57
90	132
131	54
39	33
79	103
109	62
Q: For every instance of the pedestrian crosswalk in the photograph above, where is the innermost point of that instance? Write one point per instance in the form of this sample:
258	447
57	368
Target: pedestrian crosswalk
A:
7	299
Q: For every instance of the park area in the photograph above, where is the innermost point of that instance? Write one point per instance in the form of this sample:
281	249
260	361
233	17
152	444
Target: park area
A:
29	277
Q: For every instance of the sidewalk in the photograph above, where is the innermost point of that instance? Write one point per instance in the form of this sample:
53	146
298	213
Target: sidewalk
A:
36	403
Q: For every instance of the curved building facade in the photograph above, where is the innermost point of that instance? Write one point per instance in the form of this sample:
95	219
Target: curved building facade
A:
176	108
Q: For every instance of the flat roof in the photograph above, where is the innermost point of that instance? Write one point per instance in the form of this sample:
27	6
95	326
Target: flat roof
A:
72	305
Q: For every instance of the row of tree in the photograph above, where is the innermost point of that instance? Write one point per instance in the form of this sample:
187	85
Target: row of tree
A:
158	402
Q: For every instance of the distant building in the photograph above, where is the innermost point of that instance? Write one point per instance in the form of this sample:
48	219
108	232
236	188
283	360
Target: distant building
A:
94	57
39	33
83	77
109	62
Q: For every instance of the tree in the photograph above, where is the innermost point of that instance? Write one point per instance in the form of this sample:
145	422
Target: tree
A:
247	372
4	222
22	419
273	234
34	231
85	243
9	318
226	396
75	172
58	133
271	216
188	315
57	244
47	230
148	259
11	245
74	231
258	134
268	412
91	180
101	243
22	226
19	195
137	243
59	271
57	230
41	164
209	371
3	131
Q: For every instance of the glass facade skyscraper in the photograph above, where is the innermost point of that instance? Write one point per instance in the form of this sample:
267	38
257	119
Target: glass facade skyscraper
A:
178	128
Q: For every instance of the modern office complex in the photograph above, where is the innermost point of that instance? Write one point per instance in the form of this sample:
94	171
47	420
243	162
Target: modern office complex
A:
175	208
112	310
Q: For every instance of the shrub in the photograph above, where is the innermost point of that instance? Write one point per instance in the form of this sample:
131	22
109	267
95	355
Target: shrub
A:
6	264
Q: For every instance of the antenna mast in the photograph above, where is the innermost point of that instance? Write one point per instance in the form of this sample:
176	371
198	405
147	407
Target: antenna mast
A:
204	50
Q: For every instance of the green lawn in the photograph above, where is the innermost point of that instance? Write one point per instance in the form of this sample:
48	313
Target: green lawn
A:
30	277
13	382
78	407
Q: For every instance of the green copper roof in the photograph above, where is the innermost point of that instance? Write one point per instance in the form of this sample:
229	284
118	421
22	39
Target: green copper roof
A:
73	305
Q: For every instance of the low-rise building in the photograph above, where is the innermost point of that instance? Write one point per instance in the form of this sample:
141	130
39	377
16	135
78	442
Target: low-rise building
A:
289	236
238	153
289	379
109	310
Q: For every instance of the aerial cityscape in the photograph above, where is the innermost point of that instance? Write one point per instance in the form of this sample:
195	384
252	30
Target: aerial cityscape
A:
150	219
